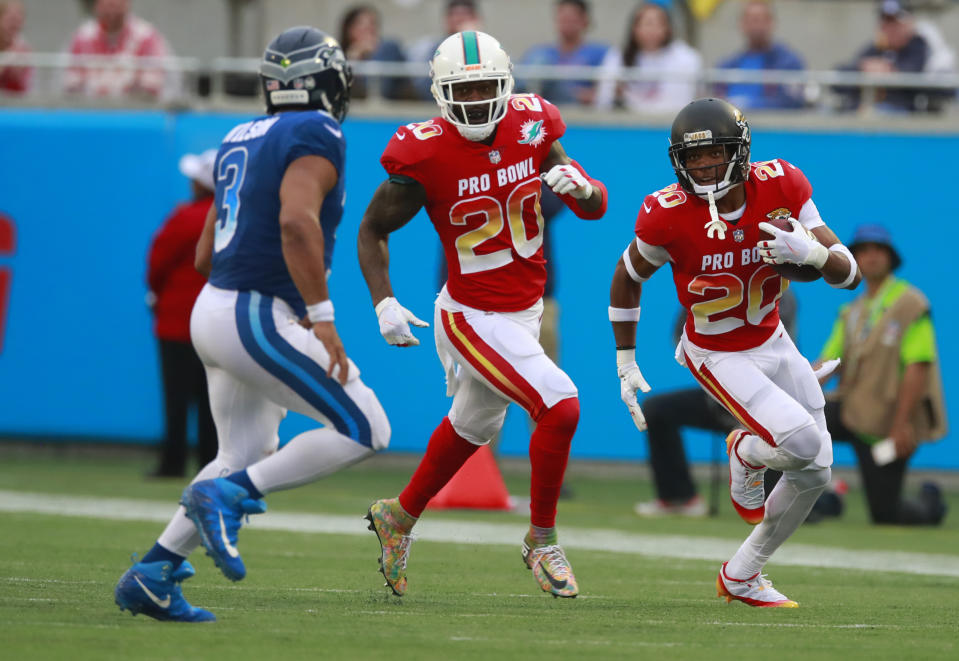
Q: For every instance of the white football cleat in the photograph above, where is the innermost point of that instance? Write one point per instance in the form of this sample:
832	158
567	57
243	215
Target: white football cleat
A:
746	488
757	590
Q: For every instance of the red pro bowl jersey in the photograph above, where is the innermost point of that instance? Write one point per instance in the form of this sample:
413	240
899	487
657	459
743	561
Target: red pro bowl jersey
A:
483	200
730	295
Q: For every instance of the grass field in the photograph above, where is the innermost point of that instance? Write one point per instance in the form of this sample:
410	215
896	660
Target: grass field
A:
318	595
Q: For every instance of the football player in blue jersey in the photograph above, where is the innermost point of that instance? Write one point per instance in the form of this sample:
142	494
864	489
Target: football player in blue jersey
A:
263	325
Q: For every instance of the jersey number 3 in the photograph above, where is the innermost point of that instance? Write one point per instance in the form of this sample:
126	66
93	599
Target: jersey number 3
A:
231	171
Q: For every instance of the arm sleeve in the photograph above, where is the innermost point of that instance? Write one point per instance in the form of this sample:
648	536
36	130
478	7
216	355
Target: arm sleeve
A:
403	157
555	125
833	347
809	215
318	136
573	204
651	234
918	342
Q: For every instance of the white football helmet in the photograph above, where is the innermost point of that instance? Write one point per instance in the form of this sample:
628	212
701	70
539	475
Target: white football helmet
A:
466	57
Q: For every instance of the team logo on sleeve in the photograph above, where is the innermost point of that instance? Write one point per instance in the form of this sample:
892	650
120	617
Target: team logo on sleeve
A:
782	213
532	133
739	235
495	157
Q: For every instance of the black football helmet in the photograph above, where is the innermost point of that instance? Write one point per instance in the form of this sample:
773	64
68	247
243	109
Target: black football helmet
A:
305	68
711	122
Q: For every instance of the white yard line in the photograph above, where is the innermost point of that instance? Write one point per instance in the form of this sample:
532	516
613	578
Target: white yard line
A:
510	534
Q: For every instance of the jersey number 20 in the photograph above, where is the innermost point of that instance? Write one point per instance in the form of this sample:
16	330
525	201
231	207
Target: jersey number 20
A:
489	207
704	311
231	171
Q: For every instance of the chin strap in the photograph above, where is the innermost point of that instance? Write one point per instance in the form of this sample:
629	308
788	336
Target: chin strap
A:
716	225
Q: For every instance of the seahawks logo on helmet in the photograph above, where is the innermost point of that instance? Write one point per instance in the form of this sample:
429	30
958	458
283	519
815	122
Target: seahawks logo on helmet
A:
304	68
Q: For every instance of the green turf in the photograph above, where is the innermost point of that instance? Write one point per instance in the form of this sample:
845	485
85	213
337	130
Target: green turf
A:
320	597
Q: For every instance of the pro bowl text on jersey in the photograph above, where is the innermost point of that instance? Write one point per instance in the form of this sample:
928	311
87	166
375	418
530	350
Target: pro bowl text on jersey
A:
503	176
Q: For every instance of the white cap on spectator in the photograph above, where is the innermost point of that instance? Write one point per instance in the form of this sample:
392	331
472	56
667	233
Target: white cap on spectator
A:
199	168
893	8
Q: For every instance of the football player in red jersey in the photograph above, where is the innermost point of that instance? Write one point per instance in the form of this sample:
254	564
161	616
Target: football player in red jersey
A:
478	169
708	227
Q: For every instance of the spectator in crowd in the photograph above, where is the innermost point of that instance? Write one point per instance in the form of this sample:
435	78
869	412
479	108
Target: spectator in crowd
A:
667	414
458	16
762	53
14	80
174	285
897	47
890	394
115	31
650	46
570	49
361	41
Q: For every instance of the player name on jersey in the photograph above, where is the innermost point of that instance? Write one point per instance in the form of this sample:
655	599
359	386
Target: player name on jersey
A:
250	130
508	175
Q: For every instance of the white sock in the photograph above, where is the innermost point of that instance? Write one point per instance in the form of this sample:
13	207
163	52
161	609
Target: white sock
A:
786	509
308	457
180	535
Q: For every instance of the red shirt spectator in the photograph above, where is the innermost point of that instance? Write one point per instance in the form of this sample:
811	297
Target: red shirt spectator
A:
13	79
171	276
117	32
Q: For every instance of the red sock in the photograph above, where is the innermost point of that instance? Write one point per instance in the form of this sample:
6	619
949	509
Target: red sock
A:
446	453
548	455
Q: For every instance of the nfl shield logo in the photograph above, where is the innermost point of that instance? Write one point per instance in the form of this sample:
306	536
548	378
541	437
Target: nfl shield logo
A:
494	157
738	236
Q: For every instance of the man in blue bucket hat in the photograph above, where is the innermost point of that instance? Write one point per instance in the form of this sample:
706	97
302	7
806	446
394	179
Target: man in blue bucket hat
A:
890	395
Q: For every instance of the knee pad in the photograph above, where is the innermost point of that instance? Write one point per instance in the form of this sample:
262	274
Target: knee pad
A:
475	428
801	446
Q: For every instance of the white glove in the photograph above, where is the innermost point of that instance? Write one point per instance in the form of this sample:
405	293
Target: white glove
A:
567	180
631	380
826	369
395	323
796	247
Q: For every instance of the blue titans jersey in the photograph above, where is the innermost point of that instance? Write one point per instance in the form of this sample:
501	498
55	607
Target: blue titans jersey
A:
254	156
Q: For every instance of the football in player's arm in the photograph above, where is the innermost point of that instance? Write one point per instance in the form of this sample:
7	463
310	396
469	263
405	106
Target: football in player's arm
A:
712	227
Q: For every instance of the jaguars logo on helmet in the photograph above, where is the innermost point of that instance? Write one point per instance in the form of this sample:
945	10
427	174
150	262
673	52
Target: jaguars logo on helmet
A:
711	122
305	68
468	57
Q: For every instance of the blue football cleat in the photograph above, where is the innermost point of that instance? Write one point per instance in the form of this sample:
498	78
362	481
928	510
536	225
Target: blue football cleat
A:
152	588
217	508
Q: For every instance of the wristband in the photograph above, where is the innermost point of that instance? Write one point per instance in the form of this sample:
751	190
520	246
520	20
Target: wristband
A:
853	266
625	357
624	314
322	311
818	255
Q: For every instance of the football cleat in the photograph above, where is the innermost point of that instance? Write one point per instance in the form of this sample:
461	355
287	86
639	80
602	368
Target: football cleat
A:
217	507
694	507
757	590
392	526
746	488
550	568
153	589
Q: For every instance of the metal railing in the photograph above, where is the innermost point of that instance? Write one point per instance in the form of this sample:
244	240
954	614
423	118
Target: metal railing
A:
197	82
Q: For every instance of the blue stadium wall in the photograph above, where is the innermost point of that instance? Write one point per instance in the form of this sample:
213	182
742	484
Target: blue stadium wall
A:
86	191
